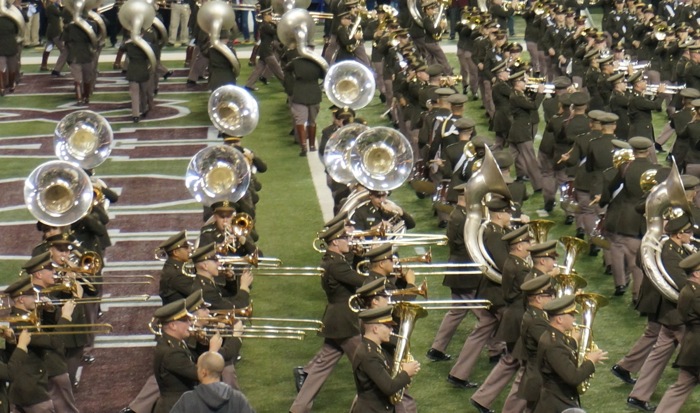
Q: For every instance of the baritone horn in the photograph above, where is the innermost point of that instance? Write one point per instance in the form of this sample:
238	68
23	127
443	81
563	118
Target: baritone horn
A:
213	17
590	303
137	16
408	314
539	229
349	83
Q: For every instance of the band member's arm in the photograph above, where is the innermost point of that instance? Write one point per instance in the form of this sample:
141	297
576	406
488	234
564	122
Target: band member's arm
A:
559	358
375	369
179	363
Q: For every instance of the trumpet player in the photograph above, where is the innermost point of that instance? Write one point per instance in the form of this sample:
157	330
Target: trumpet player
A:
689	309
663	318
689	134
640	108
556	355
229	239
371	365
679	120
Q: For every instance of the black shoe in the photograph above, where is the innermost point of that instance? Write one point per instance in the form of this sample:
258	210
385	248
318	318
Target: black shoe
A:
620	290
464	384
263	80
464	90
382	98
495	359
658	147
537	191
299	377
640	404
251	63
569	220
135	119
608	270
549	206
580	233
56	73
88	358
442	224
302	153
623	374
191	83
437	355
144	114
168	74
480	408
251	89
292	132
593	250
126	410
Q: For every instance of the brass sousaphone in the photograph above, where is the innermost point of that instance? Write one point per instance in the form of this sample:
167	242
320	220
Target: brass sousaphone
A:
296	30
137	16
349	83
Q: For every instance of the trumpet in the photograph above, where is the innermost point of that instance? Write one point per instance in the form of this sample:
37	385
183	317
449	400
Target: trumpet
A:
446	81
356	305
670	89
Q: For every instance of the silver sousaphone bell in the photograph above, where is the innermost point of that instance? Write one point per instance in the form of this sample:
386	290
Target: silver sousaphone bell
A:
349	83
83	138
217	173
233	110
58	193
381	159
336	157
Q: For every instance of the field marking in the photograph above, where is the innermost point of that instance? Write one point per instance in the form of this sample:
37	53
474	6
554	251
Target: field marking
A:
323	193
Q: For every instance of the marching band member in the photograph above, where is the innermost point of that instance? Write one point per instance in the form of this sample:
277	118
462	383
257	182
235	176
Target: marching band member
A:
501	92
138	73
500	213
662	311
371	364
207	268
679	120
689	134
687	361
221	71
619	102
640	108
54	32
349	43
341	329
174	364
381	266
81	57
174	282
556	358
624	224
465	47
179	19
379	210
515	269
434	30
9	54
266	56
552	147
217	231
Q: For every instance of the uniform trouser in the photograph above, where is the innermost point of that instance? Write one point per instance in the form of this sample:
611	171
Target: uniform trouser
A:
654	365
304	114
331	49
141	94
269	62
551	179
61	393
472	69
624	259
524	155
43	407
198	66
82	72
74	356
487	98
532	50
361	56
665	134
497	380
179	16
438	57
320	367
9	64
61	46
587	214
678	393
451	320
420	48
484	330
690	168
147	397
513	403
378	69
407	404
634	359
31	30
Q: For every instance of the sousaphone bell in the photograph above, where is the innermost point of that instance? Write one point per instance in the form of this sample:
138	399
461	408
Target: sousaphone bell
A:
381	159
217	173
233	110
349	83
84	138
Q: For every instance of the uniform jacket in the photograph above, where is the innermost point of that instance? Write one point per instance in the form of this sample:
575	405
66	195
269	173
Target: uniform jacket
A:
622	217
598	159
689	309
498	250
28	373
53	16
137	71
556	358
211	294
373	379
210	233
501	92
458	251
339	281
619	102
515	270
639	111
80	49
455	161
520	108
8	37
346	43
268	34
175	370
367	216
220	70
534	324
679	121
306	74
173	283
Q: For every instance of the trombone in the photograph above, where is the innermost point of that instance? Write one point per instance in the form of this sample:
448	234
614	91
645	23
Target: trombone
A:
96	300
35	328
356	305
252	259
451	304
289	271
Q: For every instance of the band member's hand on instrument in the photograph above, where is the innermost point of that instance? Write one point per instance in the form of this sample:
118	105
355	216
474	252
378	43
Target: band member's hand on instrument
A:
215	342
67	310
554	272
246	280
597	356
564	157
540	89
8	334
411	368
662	88
562	60
438	162
409	276
524	218
25	337
46	304
595	200
238	328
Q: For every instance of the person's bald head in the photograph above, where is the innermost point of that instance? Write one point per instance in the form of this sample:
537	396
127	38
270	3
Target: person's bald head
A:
210	365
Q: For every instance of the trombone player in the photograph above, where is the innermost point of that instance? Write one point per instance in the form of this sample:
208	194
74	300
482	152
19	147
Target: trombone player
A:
380	211
207	267
175	283
556	356
382	266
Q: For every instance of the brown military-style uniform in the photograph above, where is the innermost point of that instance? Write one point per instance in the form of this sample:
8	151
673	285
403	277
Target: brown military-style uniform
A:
373	379
174	285
175	370
533	326
556	358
